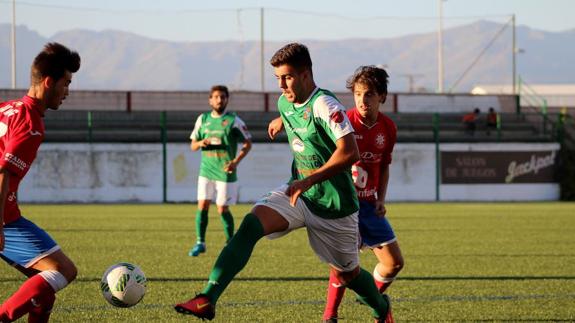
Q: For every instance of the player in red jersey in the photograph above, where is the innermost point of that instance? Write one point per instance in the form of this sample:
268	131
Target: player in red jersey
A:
376	135
24	245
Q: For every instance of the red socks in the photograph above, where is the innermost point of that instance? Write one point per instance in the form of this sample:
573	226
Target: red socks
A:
35	295
335	292
41	314
381	286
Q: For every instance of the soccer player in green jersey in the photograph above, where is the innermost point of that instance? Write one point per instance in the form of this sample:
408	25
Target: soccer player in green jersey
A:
320	194
218	134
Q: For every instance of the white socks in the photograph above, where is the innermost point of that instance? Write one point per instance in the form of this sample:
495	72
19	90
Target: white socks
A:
55	279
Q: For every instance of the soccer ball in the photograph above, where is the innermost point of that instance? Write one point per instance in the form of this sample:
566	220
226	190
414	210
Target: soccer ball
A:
123	285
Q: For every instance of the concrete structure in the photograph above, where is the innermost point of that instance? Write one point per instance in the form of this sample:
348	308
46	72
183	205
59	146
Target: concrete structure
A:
557	95
133	173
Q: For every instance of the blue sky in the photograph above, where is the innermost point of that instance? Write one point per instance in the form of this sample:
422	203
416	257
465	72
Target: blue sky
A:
320	19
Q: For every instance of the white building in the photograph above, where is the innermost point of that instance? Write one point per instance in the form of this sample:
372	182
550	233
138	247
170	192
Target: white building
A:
556	95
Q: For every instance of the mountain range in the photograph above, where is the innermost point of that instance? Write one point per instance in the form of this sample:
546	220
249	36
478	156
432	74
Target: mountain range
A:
117	60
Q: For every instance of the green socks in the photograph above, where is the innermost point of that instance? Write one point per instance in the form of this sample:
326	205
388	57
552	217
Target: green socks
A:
201	225
228	222
234	257
364	287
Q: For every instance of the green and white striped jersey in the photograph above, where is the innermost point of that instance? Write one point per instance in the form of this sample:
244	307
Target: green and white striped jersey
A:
225	133
313	128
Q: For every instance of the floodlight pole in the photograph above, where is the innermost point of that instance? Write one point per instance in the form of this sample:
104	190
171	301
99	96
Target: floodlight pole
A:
263	87
13	44
513	56
440	48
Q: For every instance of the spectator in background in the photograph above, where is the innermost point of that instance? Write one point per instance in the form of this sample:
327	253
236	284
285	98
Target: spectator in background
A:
491	120
470	121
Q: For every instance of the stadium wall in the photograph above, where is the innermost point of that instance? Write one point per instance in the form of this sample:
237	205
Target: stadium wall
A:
114	173
84	100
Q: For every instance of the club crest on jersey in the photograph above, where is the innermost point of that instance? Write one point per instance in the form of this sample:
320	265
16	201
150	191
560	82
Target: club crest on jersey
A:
337	116
225	123
306	113
379	140
297	145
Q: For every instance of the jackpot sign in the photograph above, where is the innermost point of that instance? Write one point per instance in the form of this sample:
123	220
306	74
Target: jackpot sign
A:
498	167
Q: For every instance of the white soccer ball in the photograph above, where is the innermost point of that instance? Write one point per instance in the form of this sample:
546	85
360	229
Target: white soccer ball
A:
123	285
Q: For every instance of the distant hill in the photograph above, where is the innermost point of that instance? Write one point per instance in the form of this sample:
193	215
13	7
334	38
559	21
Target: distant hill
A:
116	60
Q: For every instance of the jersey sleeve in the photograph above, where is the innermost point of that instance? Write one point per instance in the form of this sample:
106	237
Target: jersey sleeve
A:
21	146
391	130
196	135
332	115
241	129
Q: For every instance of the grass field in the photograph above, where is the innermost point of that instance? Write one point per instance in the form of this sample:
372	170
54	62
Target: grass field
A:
464	262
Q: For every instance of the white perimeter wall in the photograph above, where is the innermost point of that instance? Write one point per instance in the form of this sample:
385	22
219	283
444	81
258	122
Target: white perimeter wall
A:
133	173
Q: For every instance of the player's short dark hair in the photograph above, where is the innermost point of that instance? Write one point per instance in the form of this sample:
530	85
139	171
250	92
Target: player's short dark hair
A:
54	60
374	77
293	54
221	88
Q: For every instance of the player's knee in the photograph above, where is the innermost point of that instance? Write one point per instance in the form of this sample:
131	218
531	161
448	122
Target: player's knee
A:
398	263
398	266
251	227
391	268
345	277
69	271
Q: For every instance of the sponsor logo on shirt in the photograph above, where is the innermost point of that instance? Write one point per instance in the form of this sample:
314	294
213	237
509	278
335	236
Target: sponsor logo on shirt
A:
14	160
300	130
297	145
336	117
367	193
369	156
288	113
12	197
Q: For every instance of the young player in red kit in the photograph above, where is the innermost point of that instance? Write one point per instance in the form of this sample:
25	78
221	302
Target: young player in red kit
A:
24	245
376	135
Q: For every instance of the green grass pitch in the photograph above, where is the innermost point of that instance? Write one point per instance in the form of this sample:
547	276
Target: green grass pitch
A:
464	262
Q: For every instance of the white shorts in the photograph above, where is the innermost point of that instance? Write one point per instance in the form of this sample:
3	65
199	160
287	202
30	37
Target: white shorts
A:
226	193
334	241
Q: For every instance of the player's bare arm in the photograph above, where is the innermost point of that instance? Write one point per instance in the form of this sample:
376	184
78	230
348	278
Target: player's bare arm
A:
233	164
346	153
380	209
275	126
198	144
4	179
